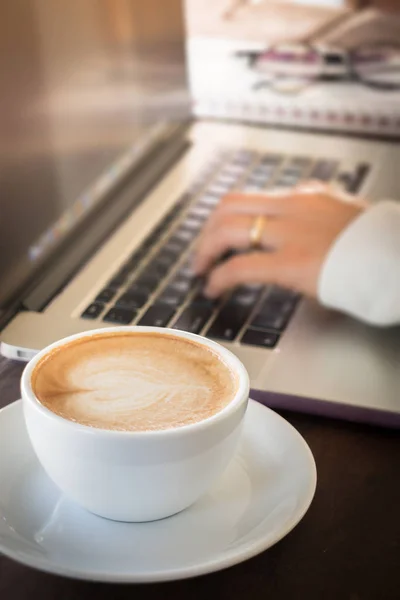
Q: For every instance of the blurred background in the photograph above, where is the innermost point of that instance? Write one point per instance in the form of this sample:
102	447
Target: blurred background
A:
341	71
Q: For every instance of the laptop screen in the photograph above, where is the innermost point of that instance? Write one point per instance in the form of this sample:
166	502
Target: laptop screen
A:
85	87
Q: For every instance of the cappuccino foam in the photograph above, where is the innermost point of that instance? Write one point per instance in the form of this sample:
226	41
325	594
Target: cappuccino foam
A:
133	381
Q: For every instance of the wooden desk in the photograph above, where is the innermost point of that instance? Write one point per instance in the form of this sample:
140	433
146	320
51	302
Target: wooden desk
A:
347	547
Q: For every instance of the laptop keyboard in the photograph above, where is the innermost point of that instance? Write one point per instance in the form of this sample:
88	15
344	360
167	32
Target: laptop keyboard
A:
156	287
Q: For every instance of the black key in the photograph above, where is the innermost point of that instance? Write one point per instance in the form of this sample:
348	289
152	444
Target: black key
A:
117	281
287	179
301	163
182	284
186	270
243	157
171	297
144	283
174	246
202	300
271	159
132	299
256	182
358	178
217	190
263	172
226	180
184	234
165	258
179	240
346	180
120	316
199	213
193	318
233	170
245	296
283	295
275	311
228	323
106	295
324	170
157	269
193	225
93	310
208	201
158	315
255	337
270	320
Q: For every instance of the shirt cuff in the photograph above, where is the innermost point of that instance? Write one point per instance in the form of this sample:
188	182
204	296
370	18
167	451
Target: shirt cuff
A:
361	273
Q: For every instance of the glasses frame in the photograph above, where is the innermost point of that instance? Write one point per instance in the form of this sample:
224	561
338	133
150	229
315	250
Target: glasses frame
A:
348	57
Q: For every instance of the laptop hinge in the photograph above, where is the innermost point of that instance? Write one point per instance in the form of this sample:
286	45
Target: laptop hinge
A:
91	235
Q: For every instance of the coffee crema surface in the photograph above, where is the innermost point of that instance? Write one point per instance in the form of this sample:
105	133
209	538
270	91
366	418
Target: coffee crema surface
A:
134	381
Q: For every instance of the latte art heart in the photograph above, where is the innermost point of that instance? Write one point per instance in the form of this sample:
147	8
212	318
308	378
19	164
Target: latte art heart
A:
133	381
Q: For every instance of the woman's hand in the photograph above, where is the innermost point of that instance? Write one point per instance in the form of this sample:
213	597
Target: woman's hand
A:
300	227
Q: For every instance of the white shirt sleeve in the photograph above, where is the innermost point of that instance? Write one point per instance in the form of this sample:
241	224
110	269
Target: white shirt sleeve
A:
361	273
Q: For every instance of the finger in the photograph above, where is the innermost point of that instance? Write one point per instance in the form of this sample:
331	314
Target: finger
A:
257	267
232	232
245	204
313	186
332	190
270	202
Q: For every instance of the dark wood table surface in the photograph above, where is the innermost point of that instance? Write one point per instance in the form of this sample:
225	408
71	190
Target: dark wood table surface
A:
346	547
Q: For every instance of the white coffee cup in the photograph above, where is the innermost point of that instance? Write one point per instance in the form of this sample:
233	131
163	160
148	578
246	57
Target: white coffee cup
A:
135	475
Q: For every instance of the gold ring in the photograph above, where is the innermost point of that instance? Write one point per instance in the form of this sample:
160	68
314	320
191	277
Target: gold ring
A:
256	232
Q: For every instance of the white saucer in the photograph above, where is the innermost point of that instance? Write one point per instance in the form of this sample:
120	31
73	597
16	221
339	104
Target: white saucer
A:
264	493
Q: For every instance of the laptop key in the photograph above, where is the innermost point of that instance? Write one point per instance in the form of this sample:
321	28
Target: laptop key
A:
106	295
264	339
275	311
199	213
145	283
208	201
182	284
324	170
120	316
158	270
117	281
270	320
158	315
228	323
132	299
171	297
358	178
192	224
199	298
174	246
164	258
271	159
193	318
93	310
245	296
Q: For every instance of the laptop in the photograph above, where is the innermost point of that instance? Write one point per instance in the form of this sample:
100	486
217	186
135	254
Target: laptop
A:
106	182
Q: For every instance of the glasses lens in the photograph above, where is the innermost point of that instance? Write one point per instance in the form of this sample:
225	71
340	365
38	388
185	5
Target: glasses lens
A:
378	65
289	67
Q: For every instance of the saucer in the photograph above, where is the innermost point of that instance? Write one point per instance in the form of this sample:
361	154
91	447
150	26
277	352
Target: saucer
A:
264	493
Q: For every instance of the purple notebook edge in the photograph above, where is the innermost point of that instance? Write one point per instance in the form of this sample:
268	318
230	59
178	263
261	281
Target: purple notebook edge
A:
324	408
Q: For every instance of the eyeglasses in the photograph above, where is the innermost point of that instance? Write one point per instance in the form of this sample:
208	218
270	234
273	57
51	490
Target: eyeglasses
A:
290	68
